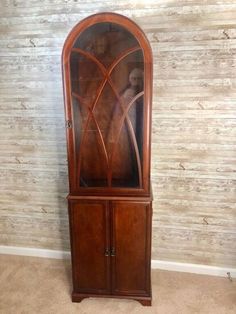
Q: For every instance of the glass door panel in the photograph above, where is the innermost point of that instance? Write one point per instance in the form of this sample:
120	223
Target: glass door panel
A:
135	116
86	77
105	41
108	114
124	167
106	69
92	163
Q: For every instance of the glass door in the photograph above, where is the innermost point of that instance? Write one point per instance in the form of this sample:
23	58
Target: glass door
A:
107	90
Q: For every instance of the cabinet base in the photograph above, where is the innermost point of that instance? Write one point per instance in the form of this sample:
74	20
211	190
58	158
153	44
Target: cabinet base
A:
145	301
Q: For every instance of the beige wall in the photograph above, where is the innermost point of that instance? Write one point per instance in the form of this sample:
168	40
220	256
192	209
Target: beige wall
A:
194	111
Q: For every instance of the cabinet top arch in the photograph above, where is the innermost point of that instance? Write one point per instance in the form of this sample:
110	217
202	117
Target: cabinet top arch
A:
108	17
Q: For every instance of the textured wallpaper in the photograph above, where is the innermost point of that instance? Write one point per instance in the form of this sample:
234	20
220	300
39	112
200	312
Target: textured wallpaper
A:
194	124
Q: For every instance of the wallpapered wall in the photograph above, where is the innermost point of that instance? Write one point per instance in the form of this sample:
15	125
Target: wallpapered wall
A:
194	124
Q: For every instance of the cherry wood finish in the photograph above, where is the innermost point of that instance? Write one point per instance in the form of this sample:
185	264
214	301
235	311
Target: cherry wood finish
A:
146	301
90	231
107	79
131	245
111	248
105	75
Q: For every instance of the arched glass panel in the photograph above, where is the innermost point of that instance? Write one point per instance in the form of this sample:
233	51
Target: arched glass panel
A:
107	88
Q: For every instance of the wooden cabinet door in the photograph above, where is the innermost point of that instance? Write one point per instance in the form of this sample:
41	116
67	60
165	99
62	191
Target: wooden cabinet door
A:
90	243
131	235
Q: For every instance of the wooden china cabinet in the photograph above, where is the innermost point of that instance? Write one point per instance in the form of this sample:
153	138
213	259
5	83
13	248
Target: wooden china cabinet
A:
107	76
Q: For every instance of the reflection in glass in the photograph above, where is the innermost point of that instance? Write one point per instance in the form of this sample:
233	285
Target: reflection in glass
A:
105	41
107	70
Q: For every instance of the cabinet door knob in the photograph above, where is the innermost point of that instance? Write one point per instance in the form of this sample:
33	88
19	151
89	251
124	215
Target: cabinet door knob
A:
113	252
107	252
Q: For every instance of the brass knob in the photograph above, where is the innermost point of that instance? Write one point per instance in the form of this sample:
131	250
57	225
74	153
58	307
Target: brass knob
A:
113	252
107	252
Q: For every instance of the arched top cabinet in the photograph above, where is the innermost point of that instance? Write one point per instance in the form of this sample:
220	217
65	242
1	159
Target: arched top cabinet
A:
107	75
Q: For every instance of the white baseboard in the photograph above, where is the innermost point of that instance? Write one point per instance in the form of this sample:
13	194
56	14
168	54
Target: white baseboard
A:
25	251
156	264
195	268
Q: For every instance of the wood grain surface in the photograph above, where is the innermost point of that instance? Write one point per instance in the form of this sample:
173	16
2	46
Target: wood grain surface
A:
194	124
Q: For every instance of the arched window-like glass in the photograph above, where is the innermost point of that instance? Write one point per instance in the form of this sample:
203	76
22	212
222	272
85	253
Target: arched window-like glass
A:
107	68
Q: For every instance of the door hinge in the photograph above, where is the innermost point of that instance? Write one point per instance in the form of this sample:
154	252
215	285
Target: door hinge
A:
68	124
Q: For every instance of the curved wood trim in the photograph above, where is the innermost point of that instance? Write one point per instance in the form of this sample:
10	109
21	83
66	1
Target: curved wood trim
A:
96	124
107	74
81	99
123	55
131	131
90	56
106	17
100	89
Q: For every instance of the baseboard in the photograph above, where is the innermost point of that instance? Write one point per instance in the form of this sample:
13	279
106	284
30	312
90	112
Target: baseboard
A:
25	251
156	264
195	268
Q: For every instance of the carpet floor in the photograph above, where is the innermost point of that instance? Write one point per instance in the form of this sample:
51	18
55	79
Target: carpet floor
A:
42	286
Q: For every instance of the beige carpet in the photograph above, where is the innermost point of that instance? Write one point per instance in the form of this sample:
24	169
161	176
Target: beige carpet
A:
38	285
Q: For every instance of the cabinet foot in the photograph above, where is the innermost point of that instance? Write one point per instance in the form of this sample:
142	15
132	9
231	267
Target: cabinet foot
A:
78	297
145	302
